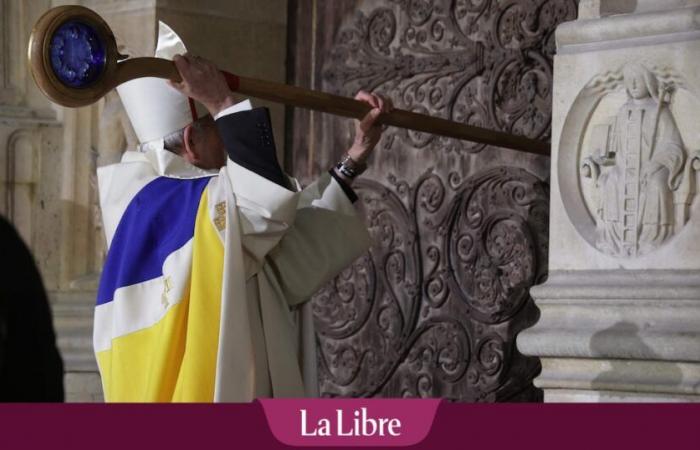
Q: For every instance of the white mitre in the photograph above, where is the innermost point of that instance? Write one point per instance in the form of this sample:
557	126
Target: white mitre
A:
154	108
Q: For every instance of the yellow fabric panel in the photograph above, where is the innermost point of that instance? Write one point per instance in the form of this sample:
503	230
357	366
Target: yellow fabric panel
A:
198	371
174	360
143	366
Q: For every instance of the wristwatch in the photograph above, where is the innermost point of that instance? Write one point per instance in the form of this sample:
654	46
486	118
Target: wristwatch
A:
349	167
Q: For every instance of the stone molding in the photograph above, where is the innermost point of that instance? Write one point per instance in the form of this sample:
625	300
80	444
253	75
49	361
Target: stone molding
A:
588	396
648	377
617	336
645	315
21	115
617	285
628	30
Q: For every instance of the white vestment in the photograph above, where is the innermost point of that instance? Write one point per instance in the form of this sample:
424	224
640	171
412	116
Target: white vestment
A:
279	248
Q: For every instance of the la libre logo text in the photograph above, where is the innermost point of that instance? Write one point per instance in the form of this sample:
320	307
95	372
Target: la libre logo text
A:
356	424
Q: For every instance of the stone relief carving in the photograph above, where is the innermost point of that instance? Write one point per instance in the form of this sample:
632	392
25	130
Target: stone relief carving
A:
486	63
637	163
433	309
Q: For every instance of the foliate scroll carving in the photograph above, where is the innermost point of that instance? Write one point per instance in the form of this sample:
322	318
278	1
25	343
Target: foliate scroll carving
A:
636	176
492	251
435	305
485	63
383	299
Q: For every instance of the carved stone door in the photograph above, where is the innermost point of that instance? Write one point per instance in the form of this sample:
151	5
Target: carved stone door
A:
459	229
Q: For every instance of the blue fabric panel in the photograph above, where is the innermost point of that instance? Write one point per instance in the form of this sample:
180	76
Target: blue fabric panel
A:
159	220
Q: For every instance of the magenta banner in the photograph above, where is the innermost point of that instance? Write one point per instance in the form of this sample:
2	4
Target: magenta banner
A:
350	422
277	424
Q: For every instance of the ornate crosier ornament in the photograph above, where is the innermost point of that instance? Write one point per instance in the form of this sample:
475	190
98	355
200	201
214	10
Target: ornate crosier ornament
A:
77	54
74	61
73	56
637	175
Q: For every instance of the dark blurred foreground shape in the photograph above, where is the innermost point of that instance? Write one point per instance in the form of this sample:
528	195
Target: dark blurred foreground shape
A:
31	369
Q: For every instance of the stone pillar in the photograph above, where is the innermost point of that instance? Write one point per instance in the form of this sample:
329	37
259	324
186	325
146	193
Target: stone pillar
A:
30	143
620	312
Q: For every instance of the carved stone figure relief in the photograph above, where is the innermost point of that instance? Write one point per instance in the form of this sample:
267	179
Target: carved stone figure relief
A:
635	165
459	229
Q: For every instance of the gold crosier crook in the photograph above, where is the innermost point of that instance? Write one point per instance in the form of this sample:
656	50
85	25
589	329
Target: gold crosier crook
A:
74	61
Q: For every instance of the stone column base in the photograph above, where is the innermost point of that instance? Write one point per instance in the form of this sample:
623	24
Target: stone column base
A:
72	317
617	336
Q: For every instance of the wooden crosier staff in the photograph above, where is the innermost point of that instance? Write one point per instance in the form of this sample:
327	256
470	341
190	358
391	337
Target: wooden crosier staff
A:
74	61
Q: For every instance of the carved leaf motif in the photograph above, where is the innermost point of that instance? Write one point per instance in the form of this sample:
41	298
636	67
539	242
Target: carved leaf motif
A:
486	63
492	252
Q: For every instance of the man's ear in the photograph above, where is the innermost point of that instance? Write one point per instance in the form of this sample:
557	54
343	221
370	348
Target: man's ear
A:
189	149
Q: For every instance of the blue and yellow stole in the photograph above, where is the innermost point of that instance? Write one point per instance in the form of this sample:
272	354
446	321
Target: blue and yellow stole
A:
159	301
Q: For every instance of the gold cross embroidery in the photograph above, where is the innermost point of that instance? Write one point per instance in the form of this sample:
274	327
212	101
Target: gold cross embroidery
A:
220	219
168	284
167	287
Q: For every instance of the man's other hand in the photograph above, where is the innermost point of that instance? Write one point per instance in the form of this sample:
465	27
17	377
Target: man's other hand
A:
202	81
368	131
